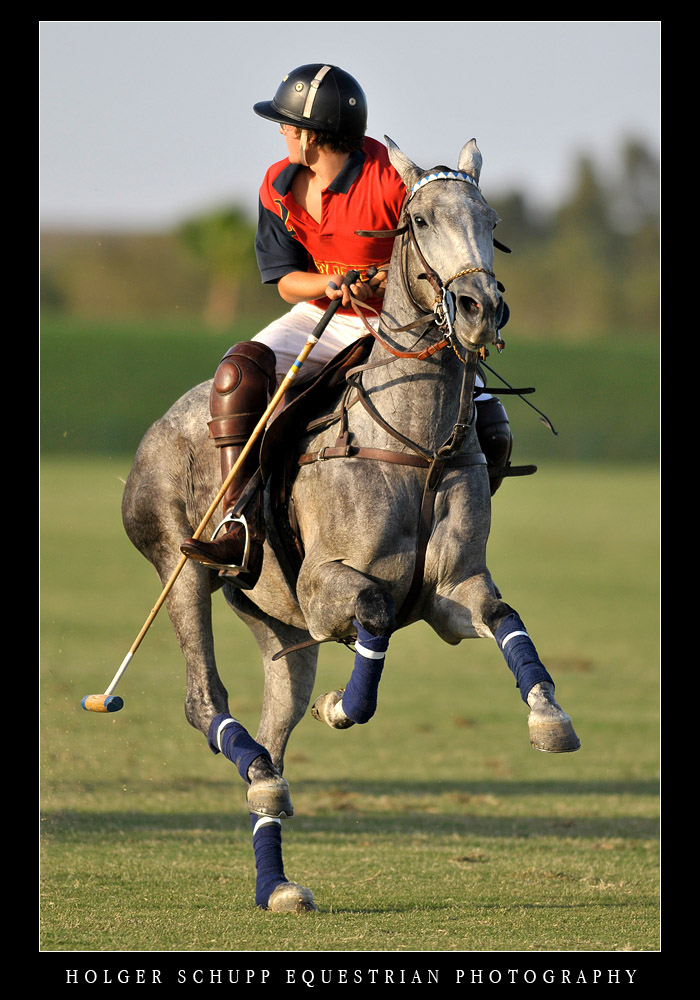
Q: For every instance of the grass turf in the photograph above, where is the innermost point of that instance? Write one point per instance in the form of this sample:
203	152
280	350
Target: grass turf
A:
433	829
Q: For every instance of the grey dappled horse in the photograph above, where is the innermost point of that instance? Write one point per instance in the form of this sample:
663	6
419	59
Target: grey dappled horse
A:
392	501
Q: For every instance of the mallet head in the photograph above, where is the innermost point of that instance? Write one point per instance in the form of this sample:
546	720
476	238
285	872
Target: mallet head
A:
102	703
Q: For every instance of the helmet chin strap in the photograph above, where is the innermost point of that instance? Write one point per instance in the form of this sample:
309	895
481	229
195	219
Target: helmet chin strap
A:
302	146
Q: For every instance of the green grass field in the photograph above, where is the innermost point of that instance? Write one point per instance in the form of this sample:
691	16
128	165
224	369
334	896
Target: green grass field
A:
436	828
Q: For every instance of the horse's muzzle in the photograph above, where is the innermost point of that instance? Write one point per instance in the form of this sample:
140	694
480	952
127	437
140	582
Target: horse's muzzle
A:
477	315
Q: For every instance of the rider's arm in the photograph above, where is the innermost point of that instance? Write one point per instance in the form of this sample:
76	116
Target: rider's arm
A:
302	286
305	286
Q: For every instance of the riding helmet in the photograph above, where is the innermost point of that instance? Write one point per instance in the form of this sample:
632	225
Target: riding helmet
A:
321	98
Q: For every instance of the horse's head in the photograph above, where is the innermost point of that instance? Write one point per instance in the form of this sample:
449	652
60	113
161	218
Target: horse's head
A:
451	244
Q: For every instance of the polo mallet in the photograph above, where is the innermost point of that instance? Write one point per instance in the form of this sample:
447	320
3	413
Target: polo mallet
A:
109	702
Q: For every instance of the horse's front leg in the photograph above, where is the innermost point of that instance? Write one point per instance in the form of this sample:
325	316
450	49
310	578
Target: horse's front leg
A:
474	609
337	601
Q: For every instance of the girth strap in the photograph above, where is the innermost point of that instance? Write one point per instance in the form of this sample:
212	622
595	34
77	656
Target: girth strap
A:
344	450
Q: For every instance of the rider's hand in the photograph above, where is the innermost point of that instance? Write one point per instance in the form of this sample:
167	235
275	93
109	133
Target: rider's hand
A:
360	290
333	292
378	284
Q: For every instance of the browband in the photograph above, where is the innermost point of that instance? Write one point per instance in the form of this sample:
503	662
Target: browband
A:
444	175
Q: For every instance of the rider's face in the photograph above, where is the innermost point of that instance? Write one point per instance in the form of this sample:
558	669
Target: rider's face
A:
292	137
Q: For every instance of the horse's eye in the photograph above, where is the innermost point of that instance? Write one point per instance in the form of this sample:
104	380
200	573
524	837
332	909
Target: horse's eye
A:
420	221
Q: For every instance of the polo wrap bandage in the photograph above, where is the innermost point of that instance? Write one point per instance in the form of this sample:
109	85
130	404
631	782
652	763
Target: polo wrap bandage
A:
520	654
267	847
229	737
360	695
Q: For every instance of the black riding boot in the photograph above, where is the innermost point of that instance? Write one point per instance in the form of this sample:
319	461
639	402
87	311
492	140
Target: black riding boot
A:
244	381
495	438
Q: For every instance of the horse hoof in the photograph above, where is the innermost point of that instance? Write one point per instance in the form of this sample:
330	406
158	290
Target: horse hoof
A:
554	737
328	709
551	729
289	897
270	797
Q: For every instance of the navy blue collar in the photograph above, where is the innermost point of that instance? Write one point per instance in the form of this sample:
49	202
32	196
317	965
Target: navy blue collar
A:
341	183
349	172
283	181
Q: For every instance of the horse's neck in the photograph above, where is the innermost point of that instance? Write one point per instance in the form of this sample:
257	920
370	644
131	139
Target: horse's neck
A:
419	398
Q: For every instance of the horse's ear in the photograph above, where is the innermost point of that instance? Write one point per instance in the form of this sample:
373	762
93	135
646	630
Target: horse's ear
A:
402	164
470	160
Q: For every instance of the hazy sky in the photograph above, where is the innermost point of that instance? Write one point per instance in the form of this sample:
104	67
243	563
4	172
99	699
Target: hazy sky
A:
143	123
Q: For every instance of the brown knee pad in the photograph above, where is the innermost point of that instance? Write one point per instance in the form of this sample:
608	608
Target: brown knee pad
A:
244	381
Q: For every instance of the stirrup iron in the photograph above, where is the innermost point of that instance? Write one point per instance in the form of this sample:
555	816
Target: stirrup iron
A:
238	519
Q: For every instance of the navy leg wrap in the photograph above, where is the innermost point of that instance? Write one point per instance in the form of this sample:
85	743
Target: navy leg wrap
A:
520	654
267	845
228	737
360	695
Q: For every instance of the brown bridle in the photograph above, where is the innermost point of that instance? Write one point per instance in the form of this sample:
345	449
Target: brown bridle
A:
443	312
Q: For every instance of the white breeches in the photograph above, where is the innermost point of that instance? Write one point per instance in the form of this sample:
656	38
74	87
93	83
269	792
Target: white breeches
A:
287	335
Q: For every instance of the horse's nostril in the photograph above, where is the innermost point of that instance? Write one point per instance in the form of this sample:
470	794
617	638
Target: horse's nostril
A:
469	307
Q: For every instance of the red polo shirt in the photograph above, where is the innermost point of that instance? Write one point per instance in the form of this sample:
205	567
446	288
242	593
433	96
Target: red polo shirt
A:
367	194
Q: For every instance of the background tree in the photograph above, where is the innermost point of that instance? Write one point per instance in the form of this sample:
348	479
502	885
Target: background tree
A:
590	268
223	241
587	269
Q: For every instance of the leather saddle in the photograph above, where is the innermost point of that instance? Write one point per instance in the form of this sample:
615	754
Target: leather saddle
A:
279	450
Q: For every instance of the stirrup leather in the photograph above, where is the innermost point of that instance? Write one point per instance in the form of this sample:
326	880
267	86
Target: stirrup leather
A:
238	519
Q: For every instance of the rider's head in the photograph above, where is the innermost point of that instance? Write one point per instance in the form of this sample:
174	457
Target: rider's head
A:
323	100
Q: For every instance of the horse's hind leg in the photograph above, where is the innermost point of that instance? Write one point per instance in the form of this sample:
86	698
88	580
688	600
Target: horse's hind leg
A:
258	764
473	609
207	707
206	700
288	685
